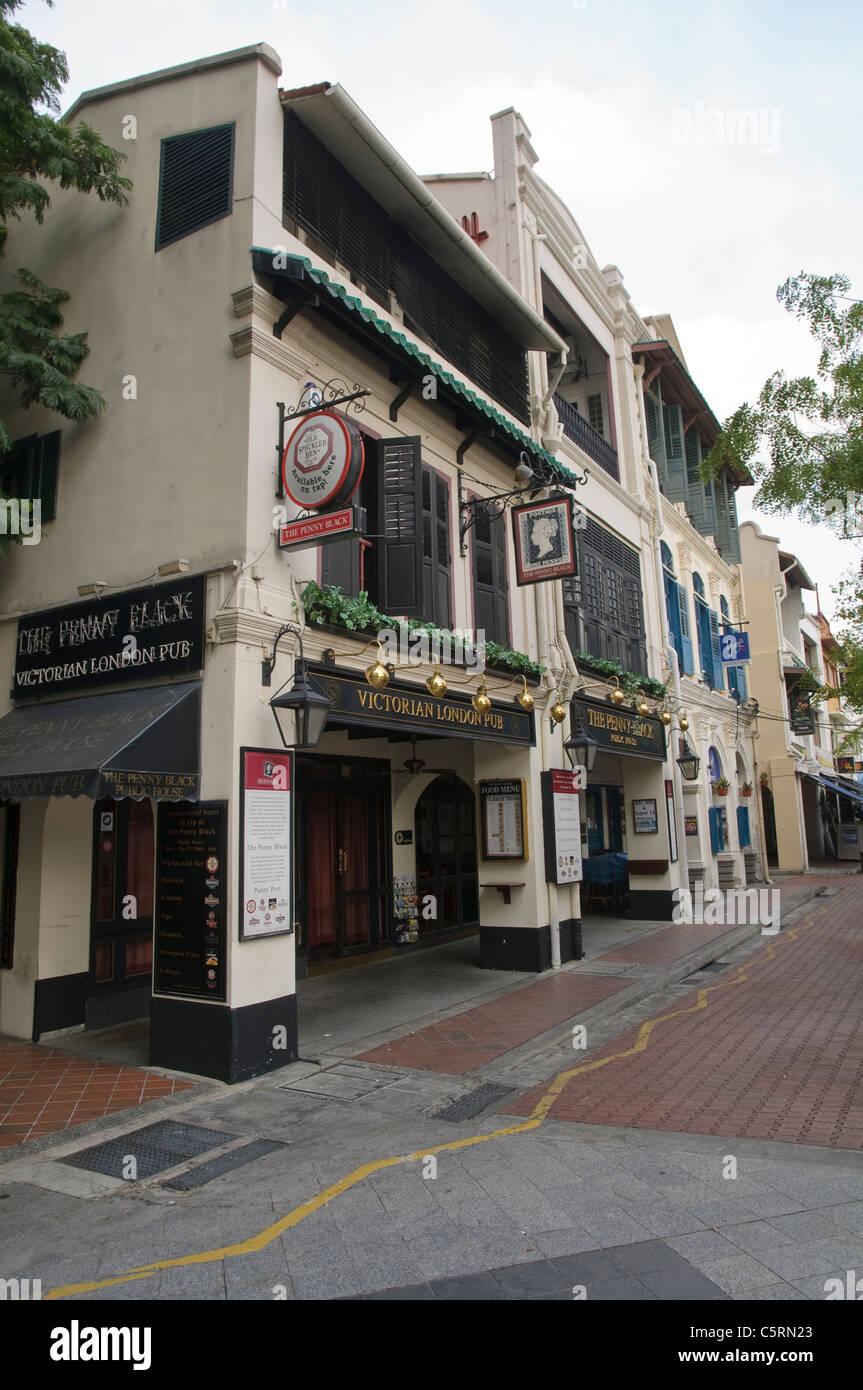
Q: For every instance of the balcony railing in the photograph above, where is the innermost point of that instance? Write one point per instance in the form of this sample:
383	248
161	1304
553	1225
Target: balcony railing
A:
576	428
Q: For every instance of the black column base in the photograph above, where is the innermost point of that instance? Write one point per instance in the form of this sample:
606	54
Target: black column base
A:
652	904
527	948
227	1044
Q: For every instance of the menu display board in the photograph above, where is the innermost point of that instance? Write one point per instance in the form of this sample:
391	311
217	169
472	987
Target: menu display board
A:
191	868
504	829
266	785
562	826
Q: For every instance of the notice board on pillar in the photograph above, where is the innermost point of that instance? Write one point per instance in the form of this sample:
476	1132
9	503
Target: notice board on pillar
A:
503	819
266	843
191	869
561	823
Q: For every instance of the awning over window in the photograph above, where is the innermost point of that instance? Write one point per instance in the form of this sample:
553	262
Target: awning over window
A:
133	743
841	785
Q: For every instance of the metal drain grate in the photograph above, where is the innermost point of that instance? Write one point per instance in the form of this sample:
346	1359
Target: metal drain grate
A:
225	1163
471	1105
153	1148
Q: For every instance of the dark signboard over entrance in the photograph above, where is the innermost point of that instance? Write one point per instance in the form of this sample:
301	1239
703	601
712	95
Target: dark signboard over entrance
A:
411	708
618	730
126	637
191	879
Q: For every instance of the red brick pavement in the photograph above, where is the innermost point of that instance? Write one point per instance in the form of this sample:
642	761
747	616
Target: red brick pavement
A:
458	1044
778	1055
42	1091
668	944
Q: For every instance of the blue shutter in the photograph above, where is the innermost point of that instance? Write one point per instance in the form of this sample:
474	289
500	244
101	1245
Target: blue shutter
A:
685	632
743	826
654	436
741	681
733	687
672	609
715	663
716	838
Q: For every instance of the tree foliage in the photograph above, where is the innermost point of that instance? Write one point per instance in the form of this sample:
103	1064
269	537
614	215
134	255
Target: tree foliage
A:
38	360
802	441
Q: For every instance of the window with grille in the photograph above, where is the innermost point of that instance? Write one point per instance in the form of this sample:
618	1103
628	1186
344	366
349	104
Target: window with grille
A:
196	178
605	612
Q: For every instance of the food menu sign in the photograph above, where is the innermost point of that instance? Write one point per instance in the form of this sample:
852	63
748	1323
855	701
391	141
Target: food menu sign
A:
191	868
266	784
504	832
562	826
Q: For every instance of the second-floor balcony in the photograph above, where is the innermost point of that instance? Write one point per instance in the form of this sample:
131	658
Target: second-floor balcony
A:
576	428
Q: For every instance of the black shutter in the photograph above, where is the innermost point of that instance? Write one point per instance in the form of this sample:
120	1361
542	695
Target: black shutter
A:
46	463
400	515
435	550
490	589
195	182
340	564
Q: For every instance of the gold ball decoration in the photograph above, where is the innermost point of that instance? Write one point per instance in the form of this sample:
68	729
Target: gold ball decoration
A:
436	685
525	699
558	712
617	696
642	706
665	718
683	722
480	701
378	676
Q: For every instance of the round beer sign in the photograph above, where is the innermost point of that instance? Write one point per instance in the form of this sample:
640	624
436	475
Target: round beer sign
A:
323	461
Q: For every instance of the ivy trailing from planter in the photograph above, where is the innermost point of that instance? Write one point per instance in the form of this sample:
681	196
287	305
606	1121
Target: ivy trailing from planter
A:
329	605
630	681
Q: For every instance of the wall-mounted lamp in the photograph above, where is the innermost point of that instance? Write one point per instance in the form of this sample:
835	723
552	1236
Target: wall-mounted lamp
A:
378	674
436	685
641	705
688	762
301	711
557	712
581	749
524	698
616	696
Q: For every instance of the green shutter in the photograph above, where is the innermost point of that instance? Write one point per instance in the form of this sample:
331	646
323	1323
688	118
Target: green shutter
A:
675	477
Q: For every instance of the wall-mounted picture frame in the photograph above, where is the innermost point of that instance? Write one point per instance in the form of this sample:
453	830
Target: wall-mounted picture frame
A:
503	806
644	817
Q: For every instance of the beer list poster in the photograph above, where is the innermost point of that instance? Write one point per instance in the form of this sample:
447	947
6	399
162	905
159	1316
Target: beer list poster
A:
191	865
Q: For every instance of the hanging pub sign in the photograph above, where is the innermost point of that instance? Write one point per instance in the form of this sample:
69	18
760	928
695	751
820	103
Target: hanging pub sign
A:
330	526
544	540
561	823
120	637
323	461
734	648
845	765
266	785
802	714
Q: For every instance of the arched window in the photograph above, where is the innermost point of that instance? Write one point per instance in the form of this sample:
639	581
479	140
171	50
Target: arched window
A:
698	584
667	560
723	608
714	764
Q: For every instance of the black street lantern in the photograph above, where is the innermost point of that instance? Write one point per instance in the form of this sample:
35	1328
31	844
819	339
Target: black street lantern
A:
688	762
301	711
581	749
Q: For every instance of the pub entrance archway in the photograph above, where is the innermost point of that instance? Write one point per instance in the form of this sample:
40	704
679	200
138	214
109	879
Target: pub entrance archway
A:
446	851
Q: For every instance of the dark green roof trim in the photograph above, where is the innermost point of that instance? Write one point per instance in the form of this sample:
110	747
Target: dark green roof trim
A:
459	388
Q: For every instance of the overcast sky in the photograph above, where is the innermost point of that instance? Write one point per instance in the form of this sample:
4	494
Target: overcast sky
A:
627	103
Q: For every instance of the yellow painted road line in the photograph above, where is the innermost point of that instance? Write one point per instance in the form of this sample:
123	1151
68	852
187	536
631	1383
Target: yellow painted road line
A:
540	1112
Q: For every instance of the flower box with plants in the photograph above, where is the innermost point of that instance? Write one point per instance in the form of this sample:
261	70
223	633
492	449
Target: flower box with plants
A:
721	786
746	789
328	608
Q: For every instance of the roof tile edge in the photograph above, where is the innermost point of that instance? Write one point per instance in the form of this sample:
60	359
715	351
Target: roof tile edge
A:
235	55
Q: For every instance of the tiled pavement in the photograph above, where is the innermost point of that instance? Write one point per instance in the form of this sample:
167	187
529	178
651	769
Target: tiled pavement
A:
775	1055
459	1044
43	1090
669	944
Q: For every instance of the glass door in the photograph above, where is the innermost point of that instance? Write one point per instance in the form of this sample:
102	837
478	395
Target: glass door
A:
122	899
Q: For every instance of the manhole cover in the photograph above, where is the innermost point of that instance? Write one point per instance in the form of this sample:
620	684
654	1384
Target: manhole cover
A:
225	1163
153	1148
469	1106
343	1083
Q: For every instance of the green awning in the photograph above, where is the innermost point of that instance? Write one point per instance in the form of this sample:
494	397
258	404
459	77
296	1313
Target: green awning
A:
410	349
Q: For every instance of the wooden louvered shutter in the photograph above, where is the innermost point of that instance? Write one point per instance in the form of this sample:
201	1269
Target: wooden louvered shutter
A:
716	664
46	467
195	182
399	526
491	606
441	612
696	501
672	610
654	434
675	476
687	652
